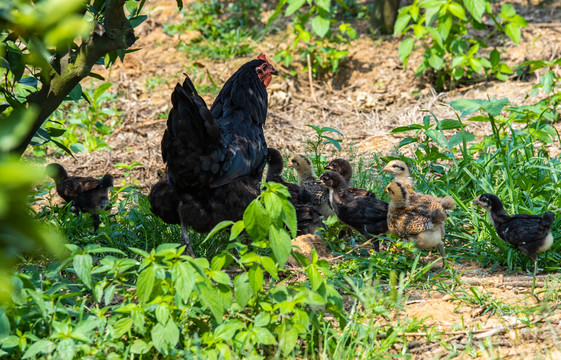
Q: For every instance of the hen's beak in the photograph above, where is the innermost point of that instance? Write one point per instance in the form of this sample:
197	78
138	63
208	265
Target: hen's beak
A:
274	72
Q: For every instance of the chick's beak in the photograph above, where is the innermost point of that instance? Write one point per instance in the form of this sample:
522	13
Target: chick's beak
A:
328	167
386	169
478	203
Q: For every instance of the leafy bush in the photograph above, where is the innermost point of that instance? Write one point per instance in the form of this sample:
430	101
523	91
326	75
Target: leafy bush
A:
312	21
451	47
225	29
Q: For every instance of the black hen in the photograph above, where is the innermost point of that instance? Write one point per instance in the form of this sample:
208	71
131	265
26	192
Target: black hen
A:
163	201
86	194
308	216
215	158
344	168
365	214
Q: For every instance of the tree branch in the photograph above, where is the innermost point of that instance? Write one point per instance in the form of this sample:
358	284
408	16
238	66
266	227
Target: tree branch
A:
117	34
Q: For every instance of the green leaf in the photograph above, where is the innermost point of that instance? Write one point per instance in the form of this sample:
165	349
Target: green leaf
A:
183	275
324	5
293	6
145	284
315	277
495	57
405	49
495	106
256	278
14	127
242	289
39	347
281	244
407	141
83	267
450	124
288	338
467	106
436	62
210	297
236	229
476	8
400	24
547	81
216	229
140	347
256	220
289	217
121	327
411	127
457	138
320	25
75	94
264	336
457	10
270	266
262	319
101	89
513	31
272	204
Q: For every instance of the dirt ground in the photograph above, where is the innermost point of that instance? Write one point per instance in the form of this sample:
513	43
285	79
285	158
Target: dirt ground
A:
370	96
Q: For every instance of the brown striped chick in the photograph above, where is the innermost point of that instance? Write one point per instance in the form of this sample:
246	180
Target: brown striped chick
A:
401	174
308	181
415	222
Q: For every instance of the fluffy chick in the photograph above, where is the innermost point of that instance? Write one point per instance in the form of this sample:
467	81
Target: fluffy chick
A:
414	222
531	234
307	214
365	214
402	175
344	168
86	194
308	181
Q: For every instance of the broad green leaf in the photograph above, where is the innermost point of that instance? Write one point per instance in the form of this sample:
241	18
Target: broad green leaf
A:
401	129
270	266
256	278
227	330
39	347
401	23
83	267
216	229
450	124
495	106
236	230
256	220
320	25
272	204
405	49
436	62
476	8
281	244
158	338
101	89
547	82
495	57
324	4
75	94
467	106
457	10
162	313
210	297
444	27
293	6
242	289
289	217
145	284
513	31
140	347
121	327
288	338
264	336
14	127
262	319
315	277
407	141
457	139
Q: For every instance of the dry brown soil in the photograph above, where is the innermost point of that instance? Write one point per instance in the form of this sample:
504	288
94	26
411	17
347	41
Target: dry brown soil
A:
371	95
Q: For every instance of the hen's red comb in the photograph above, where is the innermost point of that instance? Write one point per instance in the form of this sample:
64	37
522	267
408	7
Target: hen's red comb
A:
262	57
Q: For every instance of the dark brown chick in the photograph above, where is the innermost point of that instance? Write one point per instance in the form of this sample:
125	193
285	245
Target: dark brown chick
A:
344	168
531	234
417	222
308	216
308	181
86	194
365	214
401	174
164	202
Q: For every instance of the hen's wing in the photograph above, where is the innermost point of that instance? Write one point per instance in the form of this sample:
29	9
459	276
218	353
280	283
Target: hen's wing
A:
354	191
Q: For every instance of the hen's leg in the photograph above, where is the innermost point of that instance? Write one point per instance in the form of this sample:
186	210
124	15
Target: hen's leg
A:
186	241
95	218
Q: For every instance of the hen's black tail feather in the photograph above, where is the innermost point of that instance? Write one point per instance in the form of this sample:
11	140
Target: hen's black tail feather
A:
548	219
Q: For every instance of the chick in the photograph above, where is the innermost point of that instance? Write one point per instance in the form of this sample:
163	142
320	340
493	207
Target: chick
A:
308	181
401	174
344	168
417	222
307	214
531	234
365	214
86	194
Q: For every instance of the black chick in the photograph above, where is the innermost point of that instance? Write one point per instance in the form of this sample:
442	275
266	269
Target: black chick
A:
365	214
164	202
215	157
308	216
531	234
86	194
344	168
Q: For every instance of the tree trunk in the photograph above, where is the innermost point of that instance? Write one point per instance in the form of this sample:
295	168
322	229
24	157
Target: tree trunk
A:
384	15
117	33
